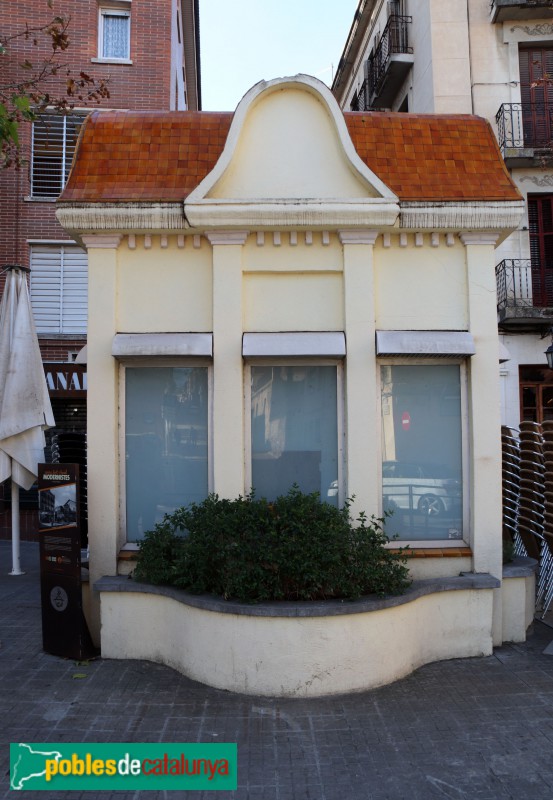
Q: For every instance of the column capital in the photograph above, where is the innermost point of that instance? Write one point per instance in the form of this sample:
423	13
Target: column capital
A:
479	237
227	237
358	237
109	241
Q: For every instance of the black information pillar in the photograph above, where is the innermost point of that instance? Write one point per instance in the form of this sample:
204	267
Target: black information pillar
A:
64	629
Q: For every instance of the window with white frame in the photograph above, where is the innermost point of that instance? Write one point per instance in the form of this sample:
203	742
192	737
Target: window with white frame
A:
422	450
166	442
114	34
54	138
59	277
295	429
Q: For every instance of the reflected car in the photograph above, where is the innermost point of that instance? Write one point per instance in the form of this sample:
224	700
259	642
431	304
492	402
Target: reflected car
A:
431	490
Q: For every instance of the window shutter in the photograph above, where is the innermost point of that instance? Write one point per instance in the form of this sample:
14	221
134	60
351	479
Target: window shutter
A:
540	221
536	97
75	288
59	288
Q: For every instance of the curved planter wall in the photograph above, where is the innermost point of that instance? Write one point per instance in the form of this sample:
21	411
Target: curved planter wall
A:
298	649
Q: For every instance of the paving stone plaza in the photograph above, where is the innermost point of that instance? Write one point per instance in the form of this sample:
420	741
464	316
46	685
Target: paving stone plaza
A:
480	729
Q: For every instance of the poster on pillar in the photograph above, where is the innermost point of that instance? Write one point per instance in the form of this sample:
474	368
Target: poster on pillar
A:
64	629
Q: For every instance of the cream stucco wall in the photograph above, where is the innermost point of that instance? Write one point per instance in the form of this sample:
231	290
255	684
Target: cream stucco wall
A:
178	281
419	286
360	287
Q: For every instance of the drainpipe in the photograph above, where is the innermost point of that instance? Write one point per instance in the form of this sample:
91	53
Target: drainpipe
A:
470	59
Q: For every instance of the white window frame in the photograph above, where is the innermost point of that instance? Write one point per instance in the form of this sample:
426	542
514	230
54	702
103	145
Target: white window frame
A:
123	544
113	10
465	539
286	361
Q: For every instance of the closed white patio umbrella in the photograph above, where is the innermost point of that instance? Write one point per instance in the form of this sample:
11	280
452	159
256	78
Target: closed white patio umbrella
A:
25	408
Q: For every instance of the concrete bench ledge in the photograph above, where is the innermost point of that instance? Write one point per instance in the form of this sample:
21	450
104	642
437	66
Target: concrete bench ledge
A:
325	608
304	649
520	567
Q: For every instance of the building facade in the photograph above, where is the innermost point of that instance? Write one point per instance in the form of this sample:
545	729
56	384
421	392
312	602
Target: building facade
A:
493	59
257	320
150	58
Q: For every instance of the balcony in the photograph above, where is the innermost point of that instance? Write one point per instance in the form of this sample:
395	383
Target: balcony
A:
515	9
360	100
524	294
390	63
525	134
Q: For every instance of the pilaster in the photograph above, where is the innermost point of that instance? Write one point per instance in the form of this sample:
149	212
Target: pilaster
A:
102	411
362	421
228	389
484	414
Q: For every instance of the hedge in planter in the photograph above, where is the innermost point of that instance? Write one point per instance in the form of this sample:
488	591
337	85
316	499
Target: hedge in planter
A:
295	548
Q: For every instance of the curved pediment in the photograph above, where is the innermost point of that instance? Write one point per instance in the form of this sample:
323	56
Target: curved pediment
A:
288	146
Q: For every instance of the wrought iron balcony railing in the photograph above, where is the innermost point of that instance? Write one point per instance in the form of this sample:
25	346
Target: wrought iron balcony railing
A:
394	40
360	100
523	286
524	125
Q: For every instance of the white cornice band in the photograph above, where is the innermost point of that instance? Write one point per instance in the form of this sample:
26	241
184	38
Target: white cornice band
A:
292	213
127	217
492	215
375	213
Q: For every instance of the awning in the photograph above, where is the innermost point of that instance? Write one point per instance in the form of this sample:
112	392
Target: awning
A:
424	343
129	345
329	344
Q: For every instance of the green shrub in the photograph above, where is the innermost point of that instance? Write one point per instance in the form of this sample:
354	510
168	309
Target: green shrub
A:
295	548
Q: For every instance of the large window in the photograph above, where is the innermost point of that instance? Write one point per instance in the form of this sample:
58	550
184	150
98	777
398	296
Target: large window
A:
114	39
166	442
294	430
54	140
59	288
422	450
536	393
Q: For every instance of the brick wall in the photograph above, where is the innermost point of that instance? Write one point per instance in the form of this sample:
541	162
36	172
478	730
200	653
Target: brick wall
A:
144	84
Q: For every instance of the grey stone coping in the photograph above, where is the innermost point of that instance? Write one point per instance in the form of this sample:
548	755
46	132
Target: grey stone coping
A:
520	567
326	608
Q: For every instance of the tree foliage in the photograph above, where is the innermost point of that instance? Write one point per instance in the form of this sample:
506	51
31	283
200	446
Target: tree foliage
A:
29	86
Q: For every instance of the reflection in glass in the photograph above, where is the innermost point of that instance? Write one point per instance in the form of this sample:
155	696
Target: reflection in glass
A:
422	451
294	430
166	411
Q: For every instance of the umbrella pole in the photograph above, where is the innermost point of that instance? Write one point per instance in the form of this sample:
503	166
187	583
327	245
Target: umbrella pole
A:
16	566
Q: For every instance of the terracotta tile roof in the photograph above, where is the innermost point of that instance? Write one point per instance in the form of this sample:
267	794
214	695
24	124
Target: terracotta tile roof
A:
432	156
161	156
145	155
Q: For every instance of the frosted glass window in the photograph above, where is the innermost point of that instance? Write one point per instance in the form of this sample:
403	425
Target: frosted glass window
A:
166	440
422	451
115	34
294	430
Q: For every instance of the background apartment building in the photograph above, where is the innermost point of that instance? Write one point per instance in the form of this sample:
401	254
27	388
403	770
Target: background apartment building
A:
493	58
150	54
